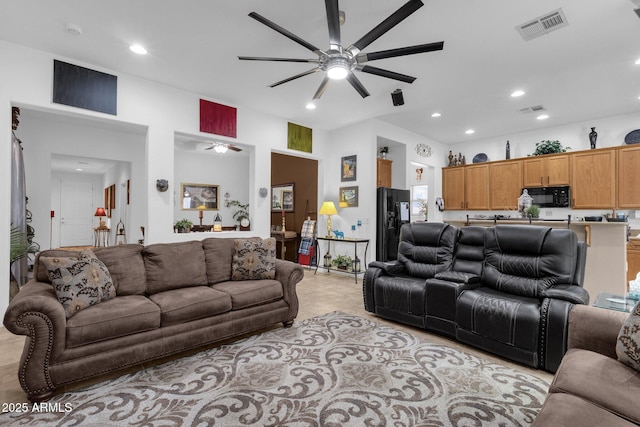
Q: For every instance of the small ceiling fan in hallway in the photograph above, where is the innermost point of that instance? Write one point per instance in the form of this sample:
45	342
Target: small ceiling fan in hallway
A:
340	63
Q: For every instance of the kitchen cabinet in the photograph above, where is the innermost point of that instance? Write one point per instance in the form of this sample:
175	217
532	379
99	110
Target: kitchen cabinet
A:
544	171
505	183
633	259
384	169
476	187
628	190
453	188
593	179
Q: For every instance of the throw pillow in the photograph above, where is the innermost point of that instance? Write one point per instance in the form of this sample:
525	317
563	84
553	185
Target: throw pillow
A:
254	259
79	282
628	345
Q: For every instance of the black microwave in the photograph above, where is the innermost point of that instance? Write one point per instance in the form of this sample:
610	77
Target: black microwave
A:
550	197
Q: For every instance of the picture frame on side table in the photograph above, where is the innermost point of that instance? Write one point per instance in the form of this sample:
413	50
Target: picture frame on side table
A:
193	196
348	169
349	197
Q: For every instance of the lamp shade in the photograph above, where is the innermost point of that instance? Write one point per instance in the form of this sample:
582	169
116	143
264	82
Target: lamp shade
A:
100	212
328	208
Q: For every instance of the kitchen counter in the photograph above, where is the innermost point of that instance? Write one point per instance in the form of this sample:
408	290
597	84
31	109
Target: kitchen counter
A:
606	269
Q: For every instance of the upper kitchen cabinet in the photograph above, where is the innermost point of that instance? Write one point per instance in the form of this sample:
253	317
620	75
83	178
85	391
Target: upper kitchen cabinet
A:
593	179
628	178
453	188
384	170
505	182
543	171
476	187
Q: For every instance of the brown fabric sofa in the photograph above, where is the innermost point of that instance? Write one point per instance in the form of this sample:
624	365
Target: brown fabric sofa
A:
591	387
169	298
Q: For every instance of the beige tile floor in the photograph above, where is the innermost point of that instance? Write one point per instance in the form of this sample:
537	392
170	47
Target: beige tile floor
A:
318	294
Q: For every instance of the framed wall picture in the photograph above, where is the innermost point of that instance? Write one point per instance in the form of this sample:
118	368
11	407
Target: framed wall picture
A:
348	168
348	197
282	198
194	196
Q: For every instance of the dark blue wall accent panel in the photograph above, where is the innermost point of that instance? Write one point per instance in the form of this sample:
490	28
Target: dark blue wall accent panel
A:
84	88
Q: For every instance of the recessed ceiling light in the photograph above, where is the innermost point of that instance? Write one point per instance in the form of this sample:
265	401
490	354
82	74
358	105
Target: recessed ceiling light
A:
469	131
136	48
517	93
543	117
436	115
310	106
79	169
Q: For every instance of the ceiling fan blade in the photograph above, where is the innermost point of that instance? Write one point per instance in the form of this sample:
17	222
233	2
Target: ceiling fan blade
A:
233	148
394	19
210	147
351	78
386	73
323	86
263	58
284	32
333	19
401	51
297	76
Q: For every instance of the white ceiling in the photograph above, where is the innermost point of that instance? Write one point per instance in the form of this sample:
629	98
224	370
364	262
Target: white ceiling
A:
581	72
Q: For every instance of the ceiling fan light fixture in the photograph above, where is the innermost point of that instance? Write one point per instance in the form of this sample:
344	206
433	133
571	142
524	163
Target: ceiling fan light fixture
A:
310	106
338	69
221	148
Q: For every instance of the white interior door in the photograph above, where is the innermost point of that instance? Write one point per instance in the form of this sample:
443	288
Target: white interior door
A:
76	213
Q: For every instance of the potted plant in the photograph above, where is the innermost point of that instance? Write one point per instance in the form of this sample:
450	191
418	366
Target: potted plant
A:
343	262
241	215
18	245
549	147
533	211
424	209
383	152
183	226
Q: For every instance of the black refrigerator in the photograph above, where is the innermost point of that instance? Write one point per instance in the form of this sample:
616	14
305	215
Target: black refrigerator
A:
392	212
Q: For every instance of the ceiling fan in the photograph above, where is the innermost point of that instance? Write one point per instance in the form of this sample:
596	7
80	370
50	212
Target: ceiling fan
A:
221	147
340	63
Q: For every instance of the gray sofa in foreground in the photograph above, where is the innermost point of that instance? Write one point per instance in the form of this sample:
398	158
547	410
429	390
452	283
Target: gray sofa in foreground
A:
168	298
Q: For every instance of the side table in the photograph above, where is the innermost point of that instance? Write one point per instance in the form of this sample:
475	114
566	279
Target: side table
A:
101	236
614	302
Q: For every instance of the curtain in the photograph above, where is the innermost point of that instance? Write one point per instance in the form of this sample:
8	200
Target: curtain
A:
19	269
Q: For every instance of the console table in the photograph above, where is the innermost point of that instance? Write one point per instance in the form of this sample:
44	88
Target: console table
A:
101	236
355	242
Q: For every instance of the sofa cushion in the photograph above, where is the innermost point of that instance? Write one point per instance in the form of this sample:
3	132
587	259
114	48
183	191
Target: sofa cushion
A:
186	304
254	260
218	253
561	409
126	266
601	380
79	282
251	292
115	318
40	272
174	265
628	344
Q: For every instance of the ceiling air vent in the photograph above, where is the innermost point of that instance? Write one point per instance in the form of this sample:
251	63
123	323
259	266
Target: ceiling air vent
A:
543	25
534	109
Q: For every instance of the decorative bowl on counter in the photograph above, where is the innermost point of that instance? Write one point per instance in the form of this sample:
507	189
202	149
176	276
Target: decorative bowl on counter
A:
616	218
597	218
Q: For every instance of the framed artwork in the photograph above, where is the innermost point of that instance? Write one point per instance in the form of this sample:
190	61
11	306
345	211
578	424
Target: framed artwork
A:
348	197
109	199
282	198
299	138
194	196
348	168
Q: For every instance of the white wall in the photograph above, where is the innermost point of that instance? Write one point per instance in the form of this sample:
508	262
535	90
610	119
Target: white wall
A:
229	171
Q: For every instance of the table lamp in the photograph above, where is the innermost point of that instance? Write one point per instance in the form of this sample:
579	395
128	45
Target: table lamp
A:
328	209
100	213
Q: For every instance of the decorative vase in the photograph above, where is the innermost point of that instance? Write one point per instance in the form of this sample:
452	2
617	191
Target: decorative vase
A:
593	136
508	151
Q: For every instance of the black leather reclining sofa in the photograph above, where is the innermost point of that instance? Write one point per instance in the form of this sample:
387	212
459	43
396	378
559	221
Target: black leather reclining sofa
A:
506	289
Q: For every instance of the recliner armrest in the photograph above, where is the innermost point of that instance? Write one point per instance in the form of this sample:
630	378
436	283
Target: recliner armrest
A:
390	268
459	277
570	293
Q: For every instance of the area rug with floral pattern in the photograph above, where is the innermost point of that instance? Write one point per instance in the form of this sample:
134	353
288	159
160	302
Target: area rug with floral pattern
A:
332	370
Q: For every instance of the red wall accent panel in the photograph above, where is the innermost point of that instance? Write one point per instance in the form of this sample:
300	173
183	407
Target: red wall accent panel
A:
217	118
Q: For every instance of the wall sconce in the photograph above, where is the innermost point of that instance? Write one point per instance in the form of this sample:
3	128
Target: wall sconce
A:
227	202
162	185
